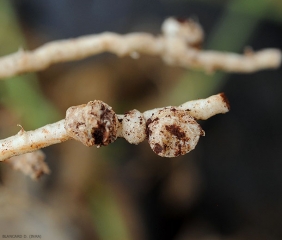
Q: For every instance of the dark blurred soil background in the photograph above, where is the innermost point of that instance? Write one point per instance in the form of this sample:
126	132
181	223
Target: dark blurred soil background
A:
229	187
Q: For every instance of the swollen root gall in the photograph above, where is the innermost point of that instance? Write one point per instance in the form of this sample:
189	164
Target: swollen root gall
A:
134	127
173	132
170	131
94	123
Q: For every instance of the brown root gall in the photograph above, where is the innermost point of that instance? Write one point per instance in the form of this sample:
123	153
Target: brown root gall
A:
94	123
172	132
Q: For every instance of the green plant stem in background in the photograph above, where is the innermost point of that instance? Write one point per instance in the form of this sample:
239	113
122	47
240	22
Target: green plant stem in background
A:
21	94
231	33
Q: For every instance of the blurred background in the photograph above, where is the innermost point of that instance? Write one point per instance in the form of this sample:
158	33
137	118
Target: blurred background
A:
229	187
